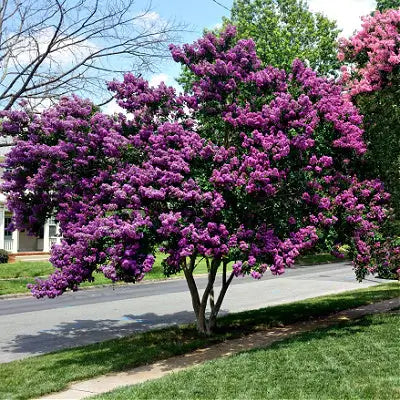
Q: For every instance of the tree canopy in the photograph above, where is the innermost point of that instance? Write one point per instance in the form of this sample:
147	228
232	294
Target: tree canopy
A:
383	5
372	78
284	30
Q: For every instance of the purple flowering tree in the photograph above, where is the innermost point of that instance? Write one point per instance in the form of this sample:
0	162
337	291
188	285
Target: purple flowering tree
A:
246	171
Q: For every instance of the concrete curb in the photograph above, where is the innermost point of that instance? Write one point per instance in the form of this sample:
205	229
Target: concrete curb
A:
108	382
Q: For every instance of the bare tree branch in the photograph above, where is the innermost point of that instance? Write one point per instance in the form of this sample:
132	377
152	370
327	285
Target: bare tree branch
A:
221	5
53	47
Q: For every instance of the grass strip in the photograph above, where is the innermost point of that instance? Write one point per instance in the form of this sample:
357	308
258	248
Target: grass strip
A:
25	269
355	360
36	376
15	276
319	258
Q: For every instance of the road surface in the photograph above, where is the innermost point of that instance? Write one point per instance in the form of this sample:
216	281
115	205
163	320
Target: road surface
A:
30	327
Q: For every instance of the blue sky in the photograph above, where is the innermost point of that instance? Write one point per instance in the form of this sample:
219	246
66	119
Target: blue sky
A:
200	14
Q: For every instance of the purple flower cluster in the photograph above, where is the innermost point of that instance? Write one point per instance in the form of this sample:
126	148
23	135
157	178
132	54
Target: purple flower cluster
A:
247	168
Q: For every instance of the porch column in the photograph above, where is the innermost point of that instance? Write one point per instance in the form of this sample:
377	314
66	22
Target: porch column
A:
15	241
2	215
58	233
46	238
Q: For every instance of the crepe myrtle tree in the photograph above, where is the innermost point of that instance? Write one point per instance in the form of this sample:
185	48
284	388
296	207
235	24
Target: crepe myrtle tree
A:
371	73
247	171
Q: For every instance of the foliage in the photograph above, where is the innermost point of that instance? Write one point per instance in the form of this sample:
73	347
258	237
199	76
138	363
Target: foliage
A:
383	5
374	84
381	110
252	168
3	256
284	30
389	255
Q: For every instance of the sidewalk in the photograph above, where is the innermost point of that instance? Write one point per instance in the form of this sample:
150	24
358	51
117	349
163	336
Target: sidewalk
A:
259	339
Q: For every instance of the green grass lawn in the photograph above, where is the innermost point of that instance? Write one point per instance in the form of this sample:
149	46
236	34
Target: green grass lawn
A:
25	269
320	258
15	276
357	360
39	375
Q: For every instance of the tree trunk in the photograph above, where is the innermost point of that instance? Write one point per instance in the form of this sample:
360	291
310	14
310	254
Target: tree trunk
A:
206	325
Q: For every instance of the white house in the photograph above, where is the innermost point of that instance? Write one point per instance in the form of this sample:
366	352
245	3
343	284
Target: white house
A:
19	241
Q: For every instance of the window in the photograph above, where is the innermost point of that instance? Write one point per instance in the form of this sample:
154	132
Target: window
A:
52	231
52	221
7	233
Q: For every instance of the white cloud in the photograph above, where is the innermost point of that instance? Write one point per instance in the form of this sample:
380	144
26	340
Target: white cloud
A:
217	26
156	79
112	108
347	13
29	48
148	21
150	16
39	104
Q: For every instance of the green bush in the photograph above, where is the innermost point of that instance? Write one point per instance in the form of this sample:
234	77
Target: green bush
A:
3	256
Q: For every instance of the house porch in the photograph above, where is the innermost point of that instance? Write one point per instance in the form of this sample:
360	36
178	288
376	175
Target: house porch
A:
19	242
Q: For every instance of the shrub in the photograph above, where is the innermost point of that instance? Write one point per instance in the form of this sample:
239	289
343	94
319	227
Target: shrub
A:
3	256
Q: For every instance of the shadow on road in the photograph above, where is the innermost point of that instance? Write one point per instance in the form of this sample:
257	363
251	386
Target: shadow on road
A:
82	332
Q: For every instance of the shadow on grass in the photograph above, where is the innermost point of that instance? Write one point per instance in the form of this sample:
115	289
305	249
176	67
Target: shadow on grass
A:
337	331
36	376
306	309
280	338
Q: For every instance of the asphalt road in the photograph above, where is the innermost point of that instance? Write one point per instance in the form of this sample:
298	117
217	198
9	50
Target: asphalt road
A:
30	327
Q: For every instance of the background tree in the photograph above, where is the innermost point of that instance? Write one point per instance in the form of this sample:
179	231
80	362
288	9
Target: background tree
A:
383	5
372	75
284	30
255	185
49	48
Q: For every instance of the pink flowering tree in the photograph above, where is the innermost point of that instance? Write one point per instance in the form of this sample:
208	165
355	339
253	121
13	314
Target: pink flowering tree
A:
371	73
247	172
374	52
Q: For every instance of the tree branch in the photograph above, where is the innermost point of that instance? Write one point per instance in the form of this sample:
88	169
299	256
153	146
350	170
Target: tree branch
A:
83	47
